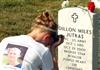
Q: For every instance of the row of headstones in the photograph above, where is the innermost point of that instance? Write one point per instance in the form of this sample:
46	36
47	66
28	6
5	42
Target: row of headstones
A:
80	48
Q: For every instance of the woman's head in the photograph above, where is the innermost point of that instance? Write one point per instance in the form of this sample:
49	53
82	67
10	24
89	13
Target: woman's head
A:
45	23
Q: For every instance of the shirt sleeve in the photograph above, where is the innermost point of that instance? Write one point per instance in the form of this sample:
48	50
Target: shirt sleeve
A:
47	63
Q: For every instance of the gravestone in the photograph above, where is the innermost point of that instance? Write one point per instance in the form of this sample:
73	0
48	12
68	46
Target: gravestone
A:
79	51
97	3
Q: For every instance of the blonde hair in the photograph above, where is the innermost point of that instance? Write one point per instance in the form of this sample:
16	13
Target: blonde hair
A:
15	49
45	22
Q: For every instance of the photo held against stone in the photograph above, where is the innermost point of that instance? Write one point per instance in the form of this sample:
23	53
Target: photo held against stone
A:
79	26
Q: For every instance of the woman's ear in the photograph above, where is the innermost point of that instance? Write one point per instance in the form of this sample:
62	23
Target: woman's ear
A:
46	36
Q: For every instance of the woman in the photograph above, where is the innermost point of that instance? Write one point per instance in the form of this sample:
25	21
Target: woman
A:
43	35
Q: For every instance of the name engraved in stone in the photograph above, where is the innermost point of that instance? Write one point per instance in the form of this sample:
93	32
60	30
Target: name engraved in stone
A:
75	35
70	29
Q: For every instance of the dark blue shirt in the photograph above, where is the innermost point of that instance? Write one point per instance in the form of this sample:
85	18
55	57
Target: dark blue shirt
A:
19	65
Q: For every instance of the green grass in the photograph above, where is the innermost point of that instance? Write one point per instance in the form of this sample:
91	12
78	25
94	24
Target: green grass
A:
16	16
5	60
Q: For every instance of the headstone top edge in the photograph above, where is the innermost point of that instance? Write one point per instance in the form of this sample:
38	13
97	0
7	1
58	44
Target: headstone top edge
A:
79	7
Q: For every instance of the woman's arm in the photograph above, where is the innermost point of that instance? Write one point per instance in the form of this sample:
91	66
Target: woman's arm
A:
53	51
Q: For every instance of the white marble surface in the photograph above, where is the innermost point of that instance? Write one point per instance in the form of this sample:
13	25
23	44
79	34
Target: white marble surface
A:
76	25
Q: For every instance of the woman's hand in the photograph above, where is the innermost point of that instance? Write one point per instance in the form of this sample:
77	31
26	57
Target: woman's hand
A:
57	43
53	52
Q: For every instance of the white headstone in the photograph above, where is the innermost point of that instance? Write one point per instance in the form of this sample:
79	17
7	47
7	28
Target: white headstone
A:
97	3
80	48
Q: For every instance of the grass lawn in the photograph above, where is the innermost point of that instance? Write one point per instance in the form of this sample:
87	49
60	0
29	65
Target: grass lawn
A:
5	60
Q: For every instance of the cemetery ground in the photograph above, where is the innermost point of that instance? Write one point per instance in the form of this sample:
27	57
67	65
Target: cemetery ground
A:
16	16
